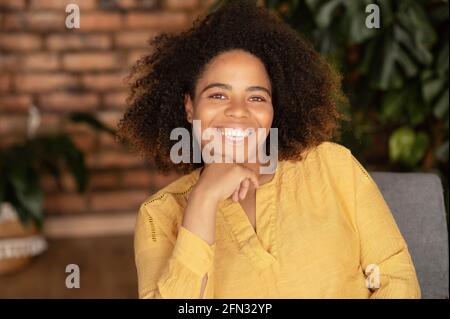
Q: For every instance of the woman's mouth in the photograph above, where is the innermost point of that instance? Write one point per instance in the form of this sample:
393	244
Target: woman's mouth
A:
235	135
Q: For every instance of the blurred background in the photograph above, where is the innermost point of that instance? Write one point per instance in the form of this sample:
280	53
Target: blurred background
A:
69	193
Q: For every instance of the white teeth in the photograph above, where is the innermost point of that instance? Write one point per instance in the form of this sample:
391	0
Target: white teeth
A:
235	133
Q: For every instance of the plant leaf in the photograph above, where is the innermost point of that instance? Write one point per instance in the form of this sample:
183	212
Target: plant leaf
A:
325	14
392	105
441	152
406	39
368	59
407	64
416	112
92	121
401	142
74	159
441	106
272	4
387	16
387	68
431	88
442	60
407	147
27	193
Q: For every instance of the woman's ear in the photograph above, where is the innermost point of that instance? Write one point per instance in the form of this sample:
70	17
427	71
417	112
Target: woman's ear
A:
189	108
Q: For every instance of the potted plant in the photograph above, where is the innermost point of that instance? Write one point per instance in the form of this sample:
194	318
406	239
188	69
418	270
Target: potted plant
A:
21	194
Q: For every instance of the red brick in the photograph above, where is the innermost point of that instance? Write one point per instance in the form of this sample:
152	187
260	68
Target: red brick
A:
49	184
110	118
49	123
9	62
157	21
40	61
137	178
103	82
61	4
5	82
35	21
100	21
78	41
19	42
91	61
63	203
11	124
104	180
115	100
136	39
113	159
180	4
117	200
136	55
86	142
15	103
12	4
108	142
43	82
67	102
129	4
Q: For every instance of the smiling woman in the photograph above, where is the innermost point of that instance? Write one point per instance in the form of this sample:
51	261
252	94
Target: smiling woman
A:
303	90
233	95
315	227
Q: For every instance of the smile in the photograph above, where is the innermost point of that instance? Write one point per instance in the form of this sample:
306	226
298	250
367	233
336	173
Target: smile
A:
235	134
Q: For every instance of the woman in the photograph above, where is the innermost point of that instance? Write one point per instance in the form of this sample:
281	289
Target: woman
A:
315	227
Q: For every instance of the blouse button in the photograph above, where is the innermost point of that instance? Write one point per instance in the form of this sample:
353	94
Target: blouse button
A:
372	273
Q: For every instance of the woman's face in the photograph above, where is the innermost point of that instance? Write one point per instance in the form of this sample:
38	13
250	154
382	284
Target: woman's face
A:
234	92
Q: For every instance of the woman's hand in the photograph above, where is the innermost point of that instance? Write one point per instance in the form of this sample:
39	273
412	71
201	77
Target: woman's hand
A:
220	181
217	182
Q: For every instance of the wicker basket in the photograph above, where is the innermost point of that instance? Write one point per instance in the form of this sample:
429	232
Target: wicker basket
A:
18	243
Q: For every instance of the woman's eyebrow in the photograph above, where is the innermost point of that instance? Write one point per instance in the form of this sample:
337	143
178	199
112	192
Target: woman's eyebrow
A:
229	87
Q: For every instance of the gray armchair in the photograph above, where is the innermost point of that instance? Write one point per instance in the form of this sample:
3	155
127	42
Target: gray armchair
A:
416	201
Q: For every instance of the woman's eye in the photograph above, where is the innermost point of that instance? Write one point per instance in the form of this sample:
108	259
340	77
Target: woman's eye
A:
214	96
219	96
260	99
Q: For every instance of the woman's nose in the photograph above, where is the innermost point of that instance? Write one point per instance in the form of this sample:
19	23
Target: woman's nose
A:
237	109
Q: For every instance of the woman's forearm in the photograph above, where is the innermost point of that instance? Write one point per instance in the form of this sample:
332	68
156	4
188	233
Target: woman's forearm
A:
200	215
200	219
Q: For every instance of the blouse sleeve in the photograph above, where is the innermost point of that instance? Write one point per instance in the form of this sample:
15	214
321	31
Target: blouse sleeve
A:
383	248
167	267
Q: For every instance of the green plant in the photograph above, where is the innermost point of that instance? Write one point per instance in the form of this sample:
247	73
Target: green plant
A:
396	76
22	163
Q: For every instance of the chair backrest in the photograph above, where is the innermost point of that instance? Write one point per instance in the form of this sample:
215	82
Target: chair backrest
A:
417	204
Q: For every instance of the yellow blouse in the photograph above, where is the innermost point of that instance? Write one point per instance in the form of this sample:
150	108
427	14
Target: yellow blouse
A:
320	223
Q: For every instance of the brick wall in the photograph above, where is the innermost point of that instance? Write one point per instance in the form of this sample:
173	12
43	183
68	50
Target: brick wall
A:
59	70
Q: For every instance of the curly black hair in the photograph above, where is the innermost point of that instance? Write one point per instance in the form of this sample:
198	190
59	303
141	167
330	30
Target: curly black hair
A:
306	89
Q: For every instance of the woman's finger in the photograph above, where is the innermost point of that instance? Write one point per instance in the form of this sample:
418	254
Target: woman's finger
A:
252	177
235	196
244	188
